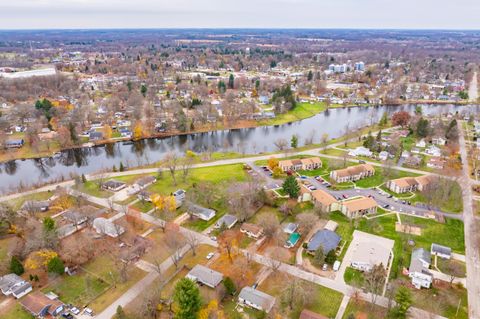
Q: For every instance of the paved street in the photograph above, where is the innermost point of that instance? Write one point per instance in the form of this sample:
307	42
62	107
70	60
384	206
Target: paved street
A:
471	236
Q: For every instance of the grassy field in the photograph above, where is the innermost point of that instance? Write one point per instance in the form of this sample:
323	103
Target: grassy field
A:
300	112
364	310
450	234
353	277
15	311
158	252
378	178
214	174
18	202
324	300
92	188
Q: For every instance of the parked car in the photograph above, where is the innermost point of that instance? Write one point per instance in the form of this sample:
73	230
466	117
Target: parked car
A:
210	255
386	206
213	238
67	315
88	312
325	267
75	310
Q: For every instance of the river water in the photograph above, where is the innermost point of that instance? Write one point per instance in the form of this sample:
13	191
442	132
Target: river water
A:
251	140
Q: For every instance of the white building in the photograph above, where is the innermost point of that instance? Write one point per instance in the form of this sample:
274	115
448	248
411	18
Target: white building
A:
418	270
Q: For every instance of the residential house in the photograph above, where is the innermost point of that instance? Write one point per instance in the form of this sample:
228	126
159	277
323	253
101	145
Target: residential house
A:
114	185
75	217
300	164
256	299
418	270
421	144
105	227
145	181
252	230
125	132
323	200
383	155
353	173
14	285
368	250
438	140
433	151
226	220
95	136
436	162
40	305
357	207
307	314
35	206
324	238
144	195
360	151
441	251
409	184
201	212
205	276
331	225
412	161
179	196
17	143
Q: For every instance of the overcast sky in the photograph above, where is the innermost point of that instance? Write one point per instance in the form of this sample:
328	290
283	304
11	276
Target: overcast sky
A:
409	14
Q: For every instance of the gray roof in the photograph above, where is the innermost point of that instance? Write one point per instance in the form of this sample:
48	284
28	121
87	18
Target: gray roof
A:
113	184
257	297
199	210
19	290
205	276
144	181
290	228
417	266
35	204
423	254
328	239
9	281
75	217
436	248
227	219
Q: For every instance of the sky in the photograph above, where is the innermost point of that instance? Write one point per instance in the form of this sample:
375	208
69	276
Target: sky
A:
383	14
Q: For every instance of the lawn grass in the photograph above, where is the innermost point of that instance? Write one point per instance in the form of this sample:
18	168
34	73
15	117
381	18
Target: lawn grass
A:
143	206
17	203
92	188
214	174
324	301
158	252
450	234
300	112
378	178
445	264
15	312
354	277
79	289
362	309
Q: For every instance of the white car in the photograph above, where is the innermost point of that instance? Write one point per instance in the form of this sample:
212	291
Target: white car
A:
88	311
75	311
210	255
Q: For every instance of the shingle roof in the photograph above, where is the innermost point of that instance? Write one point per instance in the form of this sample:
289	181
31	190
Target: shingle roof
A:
205	275
360	203
436	248
323	197
325	238
257	297
227	220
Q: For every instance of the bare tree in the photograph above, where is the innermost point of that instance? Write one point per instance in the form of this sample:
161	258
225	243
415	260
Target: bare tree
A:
171	162
374	281
281	144
192	241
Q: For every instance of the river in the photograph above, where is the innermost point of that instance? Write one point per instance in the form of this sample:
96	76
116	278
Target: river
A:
250	140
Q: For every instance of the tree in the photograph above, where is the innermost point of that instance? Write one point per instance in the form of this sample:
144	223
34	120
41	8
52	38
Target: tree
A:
310	75
138	131
48	224
331	257
281	144
297	294
186	163
187	298
403	298
306	221
272	163
84	179
401	118
143	90
16	266
231	81
374	281
291	187
120	314
383	120
107	131
423	127
229	286
55	265
294	141
171	162
324	140
319	257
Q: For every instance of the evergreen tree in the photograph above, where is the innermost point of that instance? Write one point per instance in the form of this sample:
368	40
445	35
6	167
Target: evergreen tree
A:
48	224
56	266
16	266
423	127
231	81
331	257
294	141
384	119
290	186
84	179
229	286
187	297
120	314
143	90
221	87
403	298
310	75
121	167
319	257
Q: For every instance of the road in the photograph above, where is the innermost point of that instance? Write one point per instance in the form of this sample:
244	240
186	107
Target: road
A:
473	88
471	236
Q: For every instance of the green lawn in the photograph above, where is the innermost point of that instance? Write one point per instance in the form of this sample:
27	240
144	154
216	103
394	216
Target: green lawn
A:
366	309
79	289
378	178
16	312
92	188
18	202
300	112
353	277
214	174
450	234
143	206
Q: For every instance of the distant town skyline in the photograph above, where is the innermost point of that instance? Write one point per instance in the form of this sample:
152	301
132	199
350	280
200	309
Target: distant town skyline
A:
383	14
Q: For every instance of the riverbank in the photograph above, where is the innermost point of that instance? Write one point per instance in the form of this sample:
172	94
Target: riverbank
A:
302	111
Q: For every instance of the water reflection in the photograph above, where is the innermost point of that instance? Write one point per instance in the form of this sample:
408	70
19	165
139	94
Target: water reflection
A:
249	140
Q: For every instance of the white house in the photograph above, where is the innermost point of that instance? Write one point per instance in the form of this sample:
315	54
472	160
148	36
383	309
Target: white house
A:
105	227
433	151
201	212
256	299
360	151
441	251
421	143
418	270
